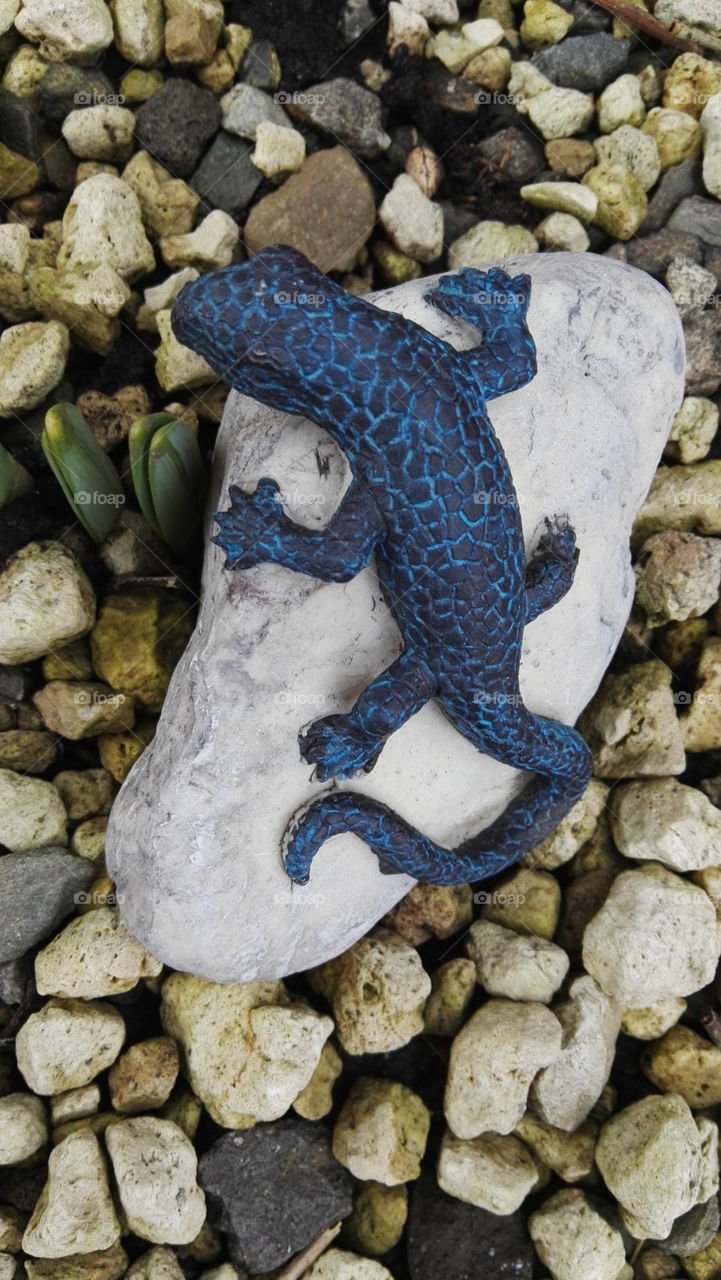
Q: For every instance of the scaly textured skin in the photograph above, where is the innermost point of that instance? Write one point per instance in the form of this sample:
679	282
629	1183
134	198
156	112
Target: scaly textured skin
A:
432	497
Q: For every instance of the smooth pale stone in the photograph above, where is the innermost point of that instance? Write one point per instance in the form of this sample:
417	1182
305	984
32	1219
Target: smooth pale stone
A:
194	836
75	1212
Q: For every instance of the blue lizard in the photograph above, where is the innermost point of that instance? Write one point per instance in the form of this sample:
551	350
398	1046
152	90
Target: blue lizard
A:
432	498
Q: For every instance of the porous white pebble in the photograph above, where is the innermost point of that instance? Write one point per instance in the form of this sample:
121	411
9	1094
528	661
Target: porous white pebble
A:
75	1212
67	1043
155	1168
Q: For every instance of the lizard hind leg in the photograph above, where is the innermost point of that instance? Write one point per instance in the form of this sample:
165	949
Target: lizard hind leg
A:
552	567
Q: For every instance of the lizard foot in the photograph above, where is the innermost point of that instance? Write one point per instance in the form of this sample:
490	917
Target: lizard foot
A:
559	541
251	518
338	748
486	299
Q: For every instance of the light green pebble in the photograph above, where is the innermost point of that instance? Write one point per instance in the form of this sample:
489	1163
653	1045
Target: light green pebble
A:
138	85
622	202
487	242
544	23
566	197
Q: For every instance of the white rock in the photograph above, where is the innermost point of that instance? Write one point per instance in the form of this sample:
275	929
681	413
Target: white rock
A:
565	1092
621	103
630	148
697	19
74	32
664	821
381	1132
8	13
75	1212
248	1051
556	112
441	12
709	1176
513	965
494	1058
100	132
655	936
456	48
711	134
572	833
277	149
412	222
94	955
244	107
32	361
652	1022
23	1127
487	242
561	231
494	1172
75	1104
177	368
566	197
33	813
155	1169
67	1043
339	1264
690	285
693	429
406	27
210	246
189	834
652	1158
46	600
139	30
103	223
160	297
572	1239
162	1264
14	246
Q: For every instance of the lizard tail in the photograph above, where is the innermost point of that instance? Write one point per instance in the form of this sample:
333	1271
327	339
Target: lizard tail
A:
401	848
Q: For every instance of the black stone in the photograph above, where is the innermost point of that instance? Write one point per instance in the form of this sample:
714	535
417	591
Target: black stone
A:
513	155
19	124
700	216
587	63
37	891
451	1240
226	177
693	1231
177	123
65	88
260	66
676	183
653	253
588	18
274	1189
16	980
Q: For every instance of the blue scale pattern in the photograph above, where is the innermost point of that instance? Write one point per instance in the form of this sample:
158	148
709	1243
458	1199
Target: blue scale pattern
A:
433	499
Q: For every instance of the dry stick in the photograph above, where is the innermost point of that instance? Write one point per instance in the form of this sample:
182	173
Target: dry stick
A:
303	1260
645	22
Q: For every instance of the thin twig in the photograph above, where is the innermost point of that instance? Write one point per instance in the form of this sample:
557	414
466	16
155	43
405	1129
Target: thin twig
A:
645	22
303	1260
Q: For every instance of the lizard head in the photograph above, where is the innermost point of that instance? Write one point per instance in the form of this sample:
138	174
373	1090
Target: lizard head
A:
266	326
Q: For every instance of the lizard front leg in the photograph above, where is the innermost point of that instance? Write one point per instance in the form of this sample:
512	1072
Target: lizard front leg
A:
498	304
343	745
256	530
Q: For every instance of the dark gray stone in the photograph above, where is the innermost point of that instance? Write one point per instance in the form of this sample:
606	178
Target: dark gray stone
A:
653	253
177	123
345	111
703	353
226	177
700	216
452	1240
19	124
676	183
260	65
274	1189
37	892
15	979
356	17
712	262
588	18
693	1230
65	87
514	154
587	63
